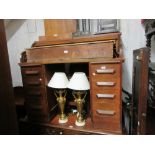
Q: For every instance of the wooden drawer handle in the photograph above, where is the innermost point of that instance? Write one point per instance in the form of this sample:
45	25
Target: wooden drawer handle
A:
105	83
34	94
31	72
34	83
105	71
105	95
105	112
36	107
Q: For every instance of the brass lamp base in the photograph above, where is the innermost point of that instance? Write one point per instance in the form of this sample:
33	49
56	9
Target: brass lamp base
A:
61	100
79	97
80	123
65	120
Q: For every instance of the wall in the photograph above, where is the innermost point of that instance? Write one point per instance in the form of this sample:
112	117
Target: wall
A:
153	49
20	35
133	37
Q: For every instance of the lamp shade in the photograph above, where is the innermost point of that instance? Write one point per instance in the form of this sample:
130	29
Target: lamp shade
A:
59	80
79	81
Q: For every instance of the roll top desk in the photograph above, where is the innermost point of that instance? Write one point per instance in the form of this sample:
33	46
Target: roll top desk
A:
98	56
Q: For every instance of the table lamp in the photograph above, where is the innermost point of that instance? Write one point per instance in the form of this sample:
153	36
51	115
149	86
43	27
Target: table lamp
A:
79	84
59	82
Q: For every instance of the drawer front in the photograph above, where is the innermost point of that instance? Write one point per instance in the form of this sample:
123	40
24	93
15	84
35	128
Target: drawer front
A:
33	92
86	50
105	95
36	107
32	76
107	105
105	71
36	110
33	81
99	83
32	71
107	118
35	101
37	118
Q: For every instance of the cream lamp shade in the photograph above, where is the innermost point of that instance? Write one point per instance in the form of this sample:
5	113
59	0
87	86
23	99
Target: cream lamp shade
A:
79	81
59	80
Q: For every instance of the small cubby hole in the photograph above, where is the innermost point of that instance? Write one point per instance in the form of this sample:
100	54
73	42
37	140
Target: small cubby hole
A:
69	69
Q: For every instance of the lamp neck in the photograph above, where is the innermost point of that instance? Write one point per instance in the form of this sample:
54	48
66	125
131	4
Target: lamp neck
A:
79	94
60	92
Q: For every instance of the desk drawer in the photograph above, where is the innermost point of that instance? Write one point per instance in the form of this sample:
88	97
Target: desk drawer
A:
31	71
36	110
33	91
37	118
34	100
101	83
32	75
104	71
106	119
105	116
105	95
33	81
103	105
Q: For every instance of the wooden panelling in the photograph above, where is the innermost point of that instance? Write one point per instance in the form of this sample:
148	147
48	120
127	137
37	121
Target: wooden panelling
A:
8	119
140	90
59	28
103	37
72	51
